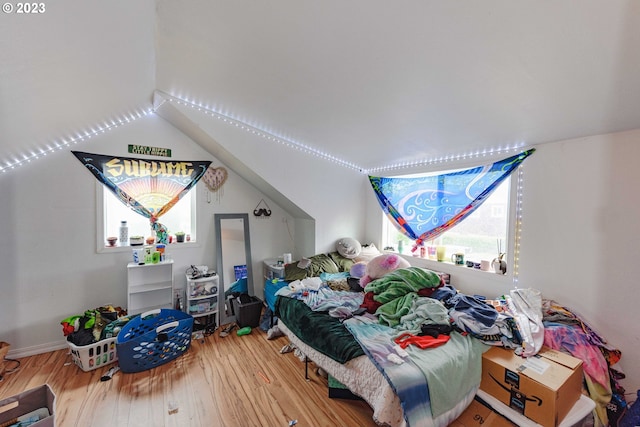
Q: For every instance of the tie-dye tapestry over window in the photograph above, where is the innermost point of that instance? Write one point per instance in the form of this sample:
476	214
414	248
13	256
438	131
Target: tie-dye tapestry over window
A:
423	208
149	187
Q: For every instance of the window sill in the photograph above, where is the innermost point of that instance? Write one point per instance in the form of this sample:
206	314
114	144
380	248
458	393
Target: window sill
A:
169	247
453	269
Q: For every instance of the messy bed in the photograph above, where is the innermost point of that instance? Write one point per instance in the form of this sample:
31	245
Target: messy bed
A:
364	342
408	343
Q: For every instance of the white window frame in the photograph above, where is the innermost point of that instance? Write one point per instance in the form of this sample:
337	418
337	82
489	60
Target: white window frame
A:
100	226
511	236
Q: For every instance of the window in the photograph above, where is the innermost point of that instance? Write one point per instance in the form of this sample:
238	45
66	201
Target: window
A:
181	217
479	236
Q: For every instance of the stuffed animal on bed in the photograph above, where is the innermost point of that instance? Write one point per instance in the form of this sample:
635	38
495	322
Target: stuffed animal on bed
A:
348	247
381	265
358	270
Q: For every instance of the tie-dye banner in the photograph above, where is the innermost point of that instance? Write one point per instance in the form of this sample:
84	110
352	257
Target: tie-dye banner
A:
425	207
149	187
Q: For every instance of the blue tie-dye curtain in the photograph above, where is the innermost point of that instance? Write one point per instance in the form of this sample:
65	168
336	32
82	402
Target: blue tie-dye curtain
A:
425	207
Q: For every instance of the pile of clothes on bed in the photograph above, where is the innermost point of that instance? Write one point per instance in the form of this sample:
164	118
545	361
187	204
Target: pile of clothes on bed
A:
397	311
521	320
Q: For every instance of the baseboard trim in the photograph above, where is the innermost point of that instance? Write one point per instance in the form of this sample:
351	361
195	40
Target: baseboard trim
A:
36	349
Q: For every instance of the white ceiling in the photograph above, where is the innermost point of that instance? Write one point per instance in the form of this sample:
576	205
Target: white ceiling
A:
372	82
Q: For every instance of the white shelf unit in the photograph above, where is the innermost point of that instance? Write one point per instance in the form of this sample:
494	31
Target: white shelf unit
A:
202	296
150	286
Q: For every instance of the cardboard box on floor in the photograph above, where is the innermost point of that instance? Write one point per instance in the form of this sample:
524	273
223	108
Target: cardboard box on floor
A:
543	388
479	415
34	407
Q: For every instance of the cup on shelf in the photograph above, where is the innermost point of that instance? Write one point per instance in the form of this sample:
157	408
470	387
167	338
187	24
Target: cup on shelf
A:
457	258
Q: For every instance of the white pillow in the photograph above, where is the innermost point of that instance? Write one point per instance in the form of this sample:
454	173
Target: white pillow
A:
367	253
348	247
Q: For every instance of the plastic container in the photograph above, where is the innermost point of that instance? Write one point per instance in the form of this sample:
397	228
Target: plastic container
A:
94	356
272	270
161	248
248	310
153	339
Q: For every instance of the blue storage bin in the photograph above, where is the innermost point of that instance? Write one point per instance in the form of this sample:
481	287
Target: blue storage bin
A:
153	339
271	286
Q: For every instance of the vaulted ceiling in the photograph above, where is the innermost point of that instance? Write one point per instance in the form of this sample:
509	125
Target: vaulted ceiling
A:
371	82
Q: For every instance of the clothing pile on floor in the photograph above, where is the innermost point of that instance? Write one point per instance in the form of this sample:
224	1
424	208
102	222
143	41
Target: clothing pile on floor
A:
94	325
566	330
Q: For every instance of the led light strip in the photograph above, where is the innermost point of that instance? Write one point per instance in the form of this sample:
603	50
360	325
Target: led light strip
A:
266	135
311	150
518	225
67	142
450	158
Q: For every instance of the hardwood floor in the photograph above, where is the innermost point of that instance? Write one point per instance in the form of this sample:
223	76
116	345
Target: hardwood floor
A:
231	381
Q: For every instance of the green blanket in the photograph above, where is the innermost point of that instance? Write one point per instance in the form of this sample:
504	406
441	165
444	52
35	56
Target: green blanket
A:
317	329
400	282
390	313
398	290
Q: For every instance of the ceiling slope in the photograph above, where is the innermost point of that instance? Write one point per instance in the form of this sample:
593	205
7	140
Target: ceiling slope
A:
79	66
371	82
378	82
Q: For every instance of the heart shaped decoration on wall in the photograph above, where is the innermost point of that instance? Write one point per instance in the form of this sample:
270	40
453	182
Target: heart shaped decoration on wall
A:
214	178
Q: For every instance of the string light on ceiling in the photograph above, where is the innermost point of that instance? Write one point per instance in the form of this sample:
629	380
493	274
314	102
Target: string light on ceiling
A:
72	140
452	158
255	130
266	134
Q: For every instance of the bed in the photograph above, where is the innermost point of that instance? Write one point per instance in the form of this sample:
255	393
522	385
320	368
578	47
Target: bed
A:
358	372
347	350
346	347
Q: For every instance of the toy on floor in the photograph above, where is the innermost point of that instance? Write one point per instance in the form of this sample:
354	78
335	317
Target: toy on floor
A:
244	331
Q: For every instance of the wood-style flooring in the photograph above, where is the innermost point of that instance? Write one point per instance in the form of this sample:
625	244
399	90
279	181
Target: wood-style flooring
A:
220	381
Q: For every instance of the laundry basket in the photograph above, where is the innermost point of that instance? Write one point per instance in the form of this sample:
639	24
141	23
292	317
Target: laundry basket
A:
94	356
153	339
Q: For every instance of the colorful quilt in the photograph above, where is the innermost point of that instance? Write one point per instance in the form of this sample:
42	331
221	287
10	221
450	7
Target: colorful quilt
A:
428	382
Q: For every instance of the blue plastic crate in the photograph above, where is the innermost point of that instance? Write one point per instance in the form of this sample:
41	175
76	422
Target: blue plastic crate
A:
153	339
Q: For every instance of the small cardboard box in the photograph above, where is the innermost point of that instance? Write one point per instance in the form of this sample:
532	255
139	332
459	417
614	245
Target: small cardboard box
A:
37	403
543	388
479	415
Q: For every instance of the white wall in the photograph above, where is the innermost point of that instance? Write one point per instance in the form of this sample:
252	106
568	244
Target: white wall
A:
50	268
580	238
581	234
327	192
